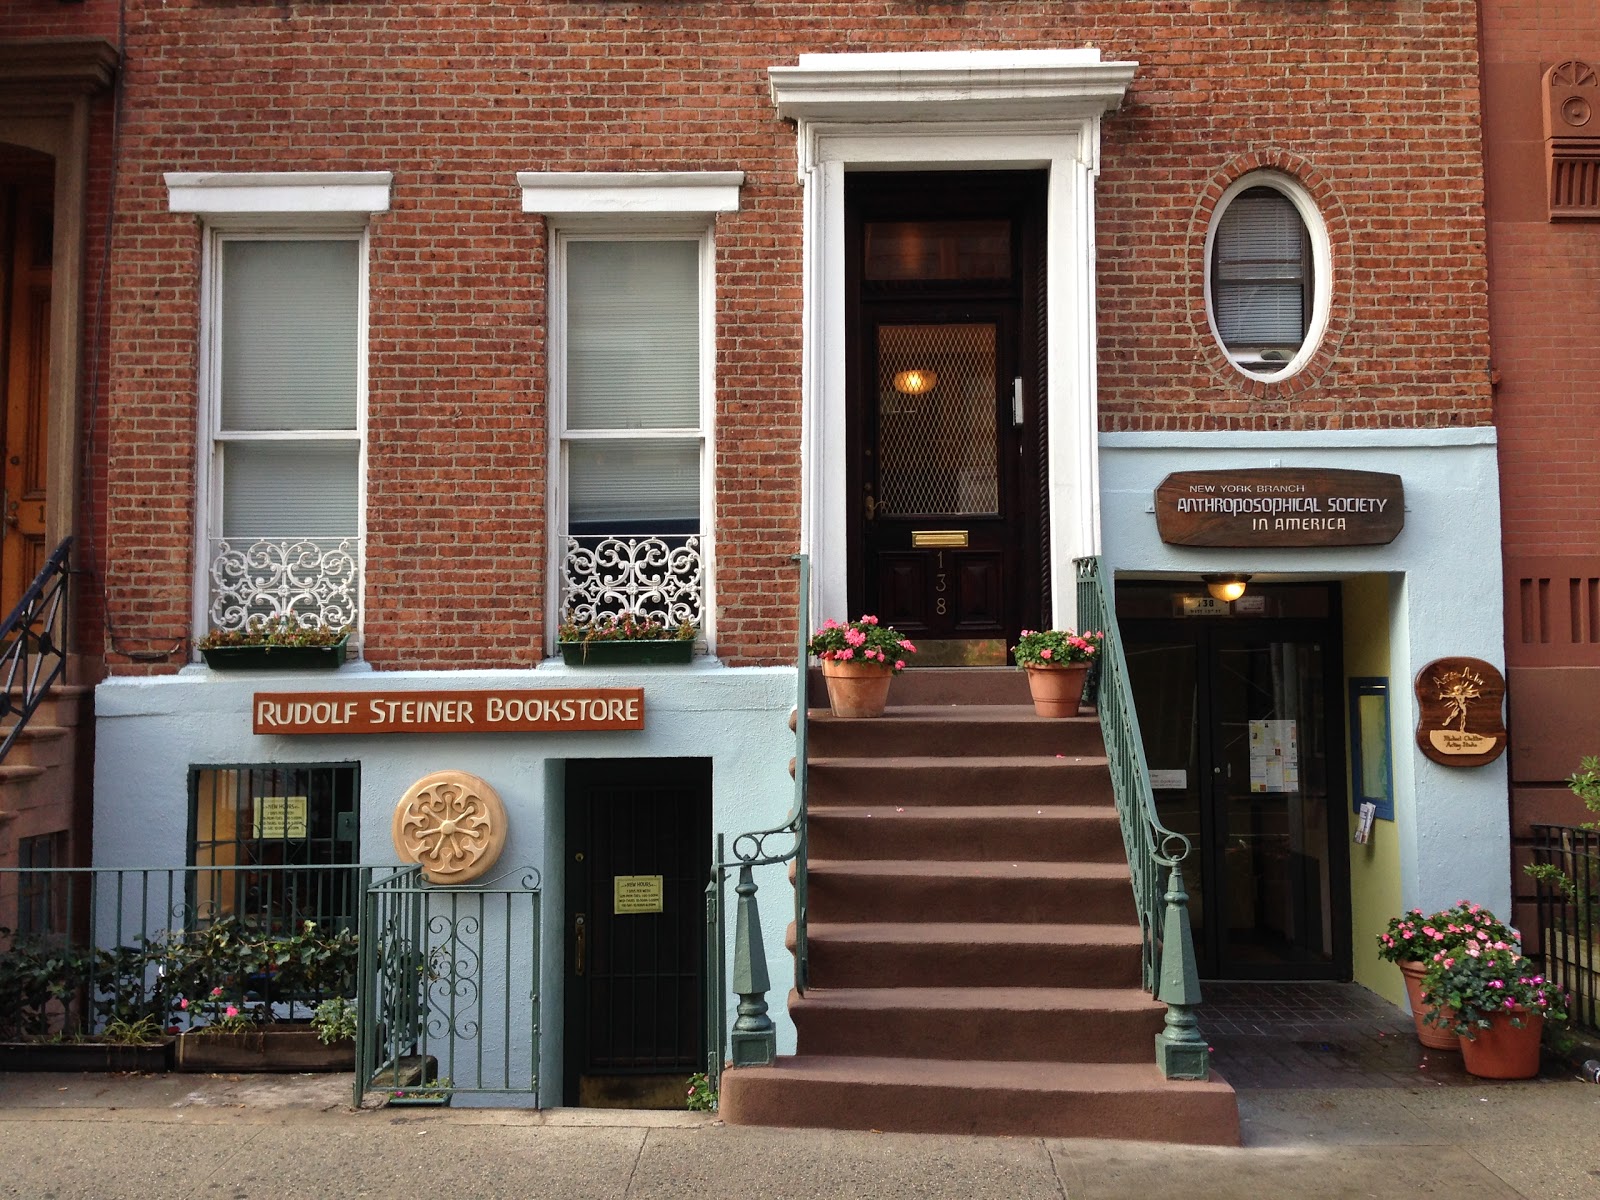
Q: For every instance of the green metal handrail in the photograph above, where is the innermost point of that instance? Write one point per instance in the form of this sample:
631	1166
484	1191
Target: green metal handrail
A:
1155	853
754	1040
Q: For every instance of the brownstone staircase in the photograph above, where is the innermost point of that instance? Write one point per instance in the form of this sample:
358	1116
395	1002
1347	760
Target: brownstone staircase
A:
974	950
44	779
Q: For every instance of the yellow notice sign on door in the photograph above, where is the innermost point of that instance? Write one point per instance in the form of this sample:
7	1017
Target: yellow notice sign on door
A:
636	894
280	817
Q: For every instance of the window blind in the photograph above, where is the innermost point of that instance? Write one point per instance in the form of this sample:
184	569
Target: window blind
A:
1258	287
633	480
289	489
633	335
290	334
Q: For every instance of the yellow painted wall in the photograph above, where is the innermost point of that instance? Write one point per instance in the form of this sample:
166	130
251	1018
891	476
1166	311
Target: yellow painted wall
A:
1375	867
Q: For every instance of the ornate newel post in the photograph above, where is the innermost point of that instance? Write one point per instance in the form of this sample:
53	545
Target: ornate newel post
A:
754	1041
1181	1052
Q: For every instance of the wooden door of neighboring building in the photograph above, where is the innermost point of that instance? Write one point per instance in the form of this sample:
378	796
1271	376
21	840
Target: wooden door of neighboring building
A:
26	259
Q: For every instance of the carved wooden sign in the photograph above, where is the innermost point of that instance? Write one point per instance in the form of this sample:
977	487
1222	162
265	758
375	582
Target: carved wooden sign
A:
551	710
1280	506
1459	712
451	824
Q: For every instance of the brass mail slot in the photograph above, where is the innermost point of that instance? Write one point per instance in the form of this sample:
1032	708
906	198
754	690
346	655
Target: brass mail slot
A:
938	537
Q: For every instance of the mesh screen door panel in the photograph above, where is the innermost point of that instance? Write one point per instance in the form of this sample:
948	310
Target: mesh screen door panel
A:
937	447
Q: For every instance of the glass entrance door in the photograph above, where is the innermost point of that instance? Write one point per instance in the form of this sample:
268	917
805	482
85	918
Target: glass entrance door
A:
1244	740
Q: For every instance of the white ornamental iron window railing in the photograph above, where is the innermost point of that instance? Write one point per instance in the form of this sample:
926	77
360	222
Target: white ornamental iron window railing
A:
311	581
605	575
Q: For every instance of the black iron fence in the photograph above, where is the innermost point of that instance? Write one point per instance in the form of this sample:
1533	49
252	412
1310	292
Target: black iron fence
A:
84	949
1566	870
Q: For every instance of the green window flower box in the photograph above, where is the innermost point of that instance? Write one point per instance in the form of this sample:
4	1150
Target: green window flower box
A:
275	658
620	652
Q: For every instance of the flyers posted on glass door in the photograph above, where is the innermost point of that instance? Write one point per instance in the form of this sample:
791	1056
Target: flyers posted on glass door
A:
1274	756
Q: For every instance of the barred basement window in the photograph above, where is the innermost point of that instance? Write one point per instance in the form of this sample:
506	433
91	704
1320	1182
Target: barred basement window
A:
1267	275
268	844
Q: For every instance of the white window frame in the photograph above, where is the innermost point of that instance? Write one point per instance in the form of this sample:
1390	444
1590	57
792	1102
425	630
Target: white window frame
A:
637	206
272	206
1321	268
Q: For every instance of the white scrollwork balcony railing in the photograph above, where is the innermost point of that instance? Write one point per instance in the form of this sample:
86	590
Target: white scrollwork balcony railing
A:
309	580
606	574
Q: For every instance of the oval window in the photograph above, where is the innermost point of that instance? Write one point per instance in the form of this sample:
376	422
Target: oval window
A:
1266	267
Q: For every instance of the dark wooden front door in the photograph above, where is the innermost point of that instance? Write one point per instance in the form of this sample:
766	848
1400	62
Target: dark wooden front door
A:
638	856
944	396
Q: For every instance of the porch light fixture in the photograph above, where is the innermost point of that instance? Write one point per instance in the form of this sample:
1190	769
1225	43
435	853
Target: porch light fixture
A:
1225	587
916	381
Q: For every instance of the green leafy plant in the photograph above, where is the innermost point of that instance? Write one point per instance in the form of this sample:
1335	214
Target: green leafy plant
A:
1057	647
1471	983
864	640
41	981
146	1031
1584	783
626	627
285	631
1413	937
334	1020
702	1096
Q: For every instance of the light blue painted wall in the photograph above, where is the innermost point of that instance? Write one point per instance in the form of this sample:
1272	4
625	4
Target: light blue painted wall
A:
1445	599
149	732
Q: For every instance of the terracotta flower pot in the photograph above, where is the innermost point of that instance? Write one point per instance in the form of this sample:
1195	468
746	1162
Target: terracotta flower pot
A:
1057	691
1435	1037
1503	1051
857	689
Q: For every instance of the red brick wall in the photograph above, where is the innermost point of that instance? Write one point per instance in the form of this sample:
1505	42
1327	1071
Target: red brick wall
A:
52	18
1545	302
454	98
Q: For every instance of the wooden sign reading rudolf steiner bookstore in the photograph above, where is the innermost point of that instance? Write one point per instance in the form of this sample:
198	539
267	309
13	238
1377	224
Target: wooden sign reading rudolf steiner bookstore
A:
1458	712
551	710
1280	506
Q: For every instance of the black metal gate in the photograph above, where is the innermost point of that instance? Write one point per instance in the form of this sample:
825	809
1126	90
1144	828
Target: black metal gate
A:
449	995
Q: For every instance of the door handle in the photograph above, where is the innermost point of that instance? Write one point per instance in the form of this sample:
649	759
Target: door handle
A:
580	930
8	508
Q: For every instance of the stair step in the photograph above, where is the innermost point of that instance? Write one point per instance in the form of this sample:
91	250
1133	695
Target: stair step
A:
1031	1099
942	890
991	831
1010	1024
1079	779
972	954
944	687
987	730
17	772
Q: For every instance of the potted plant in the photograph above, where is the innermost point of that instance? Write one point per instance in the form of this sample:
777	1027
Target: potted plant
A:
1497	1002
63	1008
1057	662
626	638
282	644
1412	940
237	996
422	1095
859	660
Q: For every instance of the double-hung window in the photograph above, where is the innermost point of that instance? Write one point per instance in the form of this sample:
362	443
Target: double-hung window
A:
283	392
633	370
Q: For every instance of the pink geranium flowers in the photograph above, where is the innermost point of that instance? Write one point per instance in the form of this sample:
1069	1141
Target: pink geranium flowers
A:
864	640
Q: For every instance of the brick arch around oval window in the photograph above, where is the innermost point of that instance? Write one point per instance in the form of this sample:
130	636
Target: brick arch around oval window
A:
1314	182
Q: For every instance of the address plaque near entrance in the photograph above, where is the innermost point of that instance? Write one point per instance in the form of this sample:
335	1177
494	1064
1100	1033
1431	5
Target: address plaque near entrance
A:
1280	506
543	710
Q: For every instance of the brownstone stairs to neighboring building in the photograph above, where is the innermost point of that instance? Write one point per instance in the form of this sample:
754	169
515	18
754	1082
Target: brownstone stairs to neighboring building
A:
43	778
974	949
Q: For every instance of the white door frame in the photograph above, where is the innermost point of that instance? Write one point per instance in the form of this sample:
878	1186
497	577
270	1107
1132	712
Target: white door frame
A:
952	111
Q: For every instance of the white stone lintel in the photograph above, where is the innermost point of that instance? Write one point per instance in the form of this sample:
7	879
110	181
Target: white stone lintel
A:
559	193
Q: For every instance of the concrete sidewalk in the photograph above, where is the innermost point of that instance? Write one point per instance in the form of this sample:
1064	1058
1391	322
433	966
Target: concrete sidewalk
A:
286	1137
